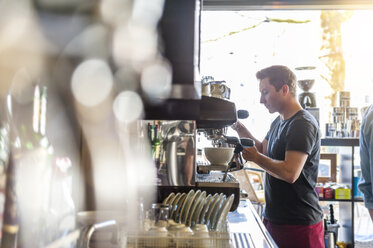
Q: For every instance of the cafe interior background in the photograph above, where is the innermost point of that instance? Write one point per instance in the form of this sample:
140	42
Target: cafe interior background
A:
60	46
236	44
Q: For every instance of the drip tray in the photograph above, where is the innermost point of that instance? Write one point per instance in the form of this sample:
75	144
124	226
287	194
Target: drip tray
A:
215	179
204	168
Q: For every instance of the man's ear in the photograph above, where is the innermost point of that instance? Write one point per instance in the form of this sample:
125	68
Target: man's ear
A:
285	89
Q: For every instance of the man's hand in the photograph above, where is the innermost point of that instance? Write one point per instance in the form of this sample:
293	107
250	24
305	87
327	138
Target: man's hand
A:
243	132
237	126
250	154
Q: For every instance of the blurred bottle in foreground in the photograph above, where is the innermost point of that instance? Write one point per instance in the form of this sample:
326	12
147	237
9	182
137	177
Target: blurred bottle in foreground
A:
34	171
32	159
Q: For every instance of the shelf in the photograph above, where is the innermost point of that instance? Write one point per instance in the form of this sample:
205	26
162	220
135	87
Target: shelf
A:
346	206
340	142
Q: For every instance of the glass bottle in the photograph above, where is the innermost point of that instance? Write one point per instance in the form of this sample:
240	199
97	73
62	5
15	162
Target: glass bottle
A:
34	159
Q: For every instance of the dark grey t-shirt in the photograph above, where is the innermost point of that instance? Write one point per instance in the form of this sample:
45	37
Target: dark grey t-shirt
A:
297	203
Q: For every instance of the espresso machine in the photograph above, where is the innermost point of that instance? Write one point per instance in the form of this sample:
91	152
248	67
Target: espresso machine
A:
177	167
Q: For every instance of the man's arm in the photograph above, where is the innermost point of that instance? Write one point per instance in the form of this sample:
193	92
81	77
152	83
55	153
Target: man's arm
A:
287	170
243	132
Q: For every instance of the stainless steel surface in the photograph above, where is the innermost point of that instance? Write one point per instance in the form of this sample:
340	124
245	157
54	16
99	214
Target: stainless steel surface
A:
242	240
216	135
285	4
214	179
86	234
179	149
205	167
171	160
245	223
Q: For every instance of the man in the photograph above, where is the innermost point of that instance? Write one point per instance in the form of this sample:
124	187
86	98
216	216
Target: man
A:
366	159
290	155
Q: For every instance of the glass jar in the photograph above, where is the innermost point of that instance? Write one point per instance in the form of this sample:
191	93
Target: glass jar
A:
159	215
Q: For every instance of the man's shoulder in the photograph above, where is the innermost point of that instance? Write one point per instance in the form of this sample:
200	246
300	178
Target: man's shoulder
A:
304	116
369	114
367	122
276	121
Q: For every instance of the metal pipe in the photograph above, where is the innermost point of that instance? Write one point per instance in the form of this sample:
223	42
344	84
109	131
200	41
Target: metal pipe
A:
86	234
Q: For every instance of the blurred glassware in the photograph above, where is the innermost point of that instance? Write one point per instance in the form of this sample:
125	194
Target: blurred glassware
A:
159	215
33	161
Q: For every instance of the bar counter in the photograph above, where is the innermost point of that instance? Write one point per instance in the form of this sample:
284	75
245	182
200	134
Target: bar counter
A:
247	229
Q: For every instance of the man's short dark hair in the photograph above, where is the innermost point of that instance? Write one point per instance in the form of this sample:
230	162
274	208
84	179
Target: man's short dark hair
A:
278	76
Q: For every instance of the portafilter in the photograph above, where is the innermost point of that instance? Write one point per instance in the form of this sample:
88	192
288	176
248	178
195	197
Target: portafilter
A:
236	162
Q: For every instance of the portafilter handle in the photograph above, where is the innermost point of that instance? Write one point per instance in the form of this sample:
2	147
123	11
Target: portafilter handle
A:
232	140
246	142
236	161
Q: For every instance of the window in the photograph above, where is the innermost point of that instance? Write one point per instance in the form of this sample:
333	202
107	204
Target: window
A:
236	44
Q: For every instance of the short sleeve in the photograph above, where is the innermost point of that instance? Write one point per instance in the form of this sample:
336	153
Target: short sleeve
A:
268	135
301	136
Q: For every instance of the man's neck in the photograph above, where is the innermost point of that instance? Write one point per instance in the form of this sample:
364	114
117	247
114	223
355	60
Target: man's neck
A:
291	108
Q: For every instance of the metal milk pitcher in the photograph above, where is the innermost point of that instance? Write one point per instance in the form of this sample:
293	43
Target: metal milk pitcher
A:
219	89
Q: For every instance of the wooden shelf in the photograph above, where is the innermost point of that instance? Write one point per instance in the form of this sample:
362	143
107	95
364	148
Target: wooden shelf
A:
340	142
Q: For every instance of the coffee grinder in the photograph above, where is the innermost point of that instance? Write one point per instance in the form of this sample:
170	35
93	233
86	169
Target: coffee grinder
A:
305	81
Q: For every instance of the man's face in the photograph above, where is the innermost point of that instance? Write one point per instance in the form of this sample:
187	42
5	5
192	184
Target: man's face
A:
269	96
